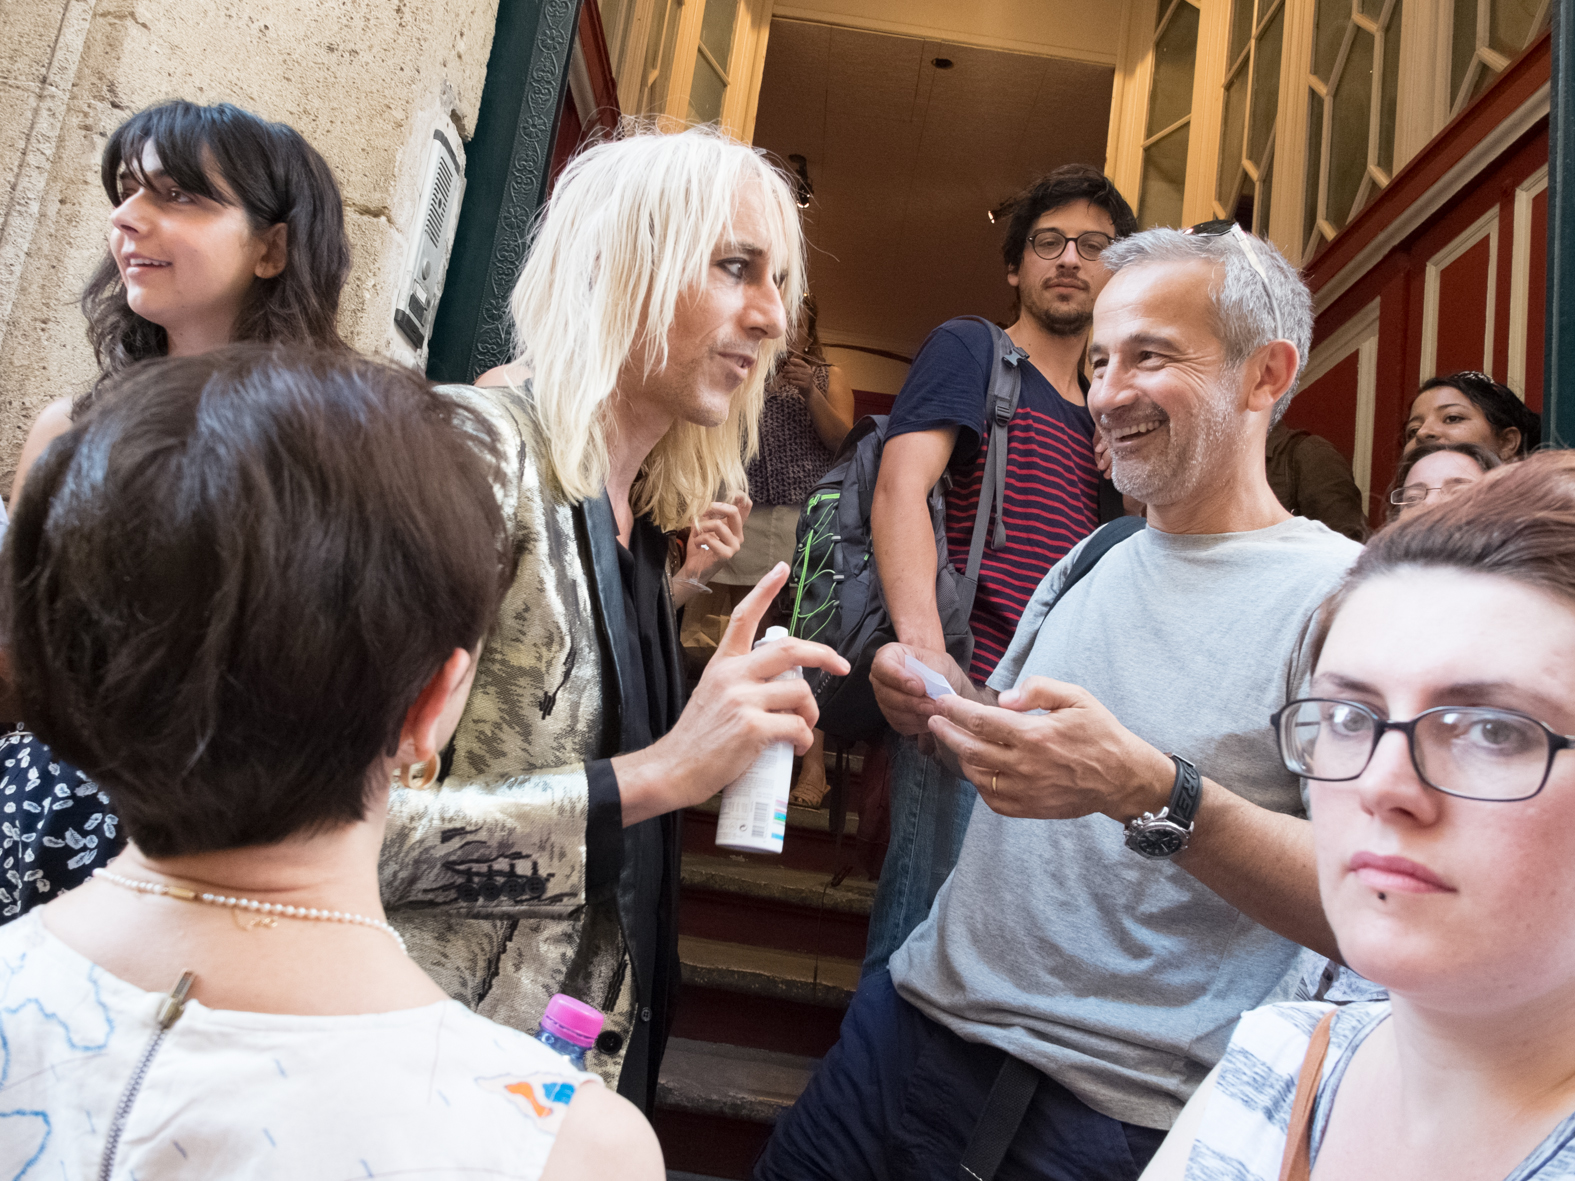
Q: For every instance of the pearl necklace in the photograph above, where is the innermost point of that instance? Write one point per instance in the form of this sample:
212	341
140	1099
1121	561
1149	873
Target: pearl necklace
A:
267	908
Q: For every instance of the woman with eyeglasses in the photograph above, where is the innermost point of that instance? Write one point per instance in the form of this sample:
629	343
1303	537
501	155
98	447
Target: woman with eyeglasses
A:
1470	407
1436	471
1441	782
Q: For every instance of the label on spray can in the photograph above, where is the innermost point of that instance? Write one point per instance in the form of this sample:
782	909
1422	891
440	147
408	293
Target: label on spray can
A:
753	817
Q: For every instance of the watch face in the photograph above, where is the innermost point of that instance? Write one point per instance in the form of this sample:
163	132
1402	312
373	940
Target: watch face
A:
1158	841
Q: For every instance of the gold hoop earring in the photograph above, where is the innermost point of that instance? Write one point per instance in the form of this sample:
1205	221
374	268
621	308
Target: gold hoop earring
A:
429	774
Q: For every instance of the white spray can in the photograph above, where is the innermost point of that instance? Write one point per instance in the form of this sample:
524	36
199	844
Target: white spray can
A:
753	818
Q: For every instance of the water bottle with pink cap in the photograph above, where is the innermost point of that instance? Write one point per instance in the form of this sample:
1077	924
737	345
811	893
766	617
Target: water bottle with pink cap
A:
569	1027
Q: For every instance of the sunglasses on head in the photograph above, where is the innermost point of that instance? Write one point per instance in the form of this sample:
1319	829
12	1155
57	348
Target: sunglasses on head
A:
1248	245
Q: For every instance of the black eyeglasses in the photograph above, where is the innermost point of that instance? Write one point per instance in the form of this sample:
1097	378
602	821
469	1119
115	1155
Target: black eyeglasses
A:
1473	752
1248	246
1051	244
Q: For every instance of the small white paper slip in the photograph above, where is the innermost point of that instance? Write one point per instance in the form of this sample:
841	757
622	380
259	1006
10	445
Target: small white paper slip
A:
935	685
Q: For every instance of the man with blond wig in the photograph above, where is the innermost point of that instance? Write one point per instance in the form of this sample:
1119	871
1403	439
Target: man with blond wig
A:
539	853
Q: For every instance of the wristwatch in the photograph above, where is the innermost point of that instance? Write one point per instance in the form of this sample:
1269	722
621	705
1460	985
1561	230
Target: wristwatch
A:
1161	835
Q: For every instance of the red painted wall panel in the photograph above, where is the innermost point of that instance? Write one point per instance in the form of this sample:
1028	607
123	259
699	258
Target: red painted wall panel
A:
1328	406
1462	310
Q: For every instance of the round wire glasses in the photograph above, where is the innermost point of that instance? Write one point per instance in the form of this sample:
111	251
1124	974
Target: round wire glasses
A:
1473	752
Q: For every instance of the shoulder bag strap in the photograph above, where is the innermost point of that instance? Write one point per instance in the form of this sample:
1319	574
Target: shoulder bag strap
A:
1006	386
999	1120
1296	1165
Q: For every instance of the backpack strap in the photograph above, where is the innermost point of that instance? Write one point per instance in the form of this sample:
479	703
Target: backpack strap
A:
1100	542
1006	386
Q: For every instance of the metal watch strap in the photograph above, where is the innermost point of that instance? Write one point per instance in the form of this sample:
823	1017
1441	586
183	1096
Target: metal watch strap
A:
1186	793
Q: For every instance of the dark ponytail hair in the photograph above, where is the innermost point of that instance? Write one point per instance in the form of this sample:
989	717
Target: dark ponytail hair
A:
275	176
1498	404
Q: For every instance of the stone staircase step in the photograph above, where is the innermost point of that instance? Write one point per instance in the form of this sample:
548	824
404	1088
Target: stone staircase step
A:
742	901
827	981
739	1082
807	845
765	1022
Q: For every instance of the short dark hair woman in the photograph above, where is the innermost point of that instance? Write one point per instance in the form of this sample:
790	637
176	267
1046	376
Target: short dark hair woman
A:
242	593
1470	407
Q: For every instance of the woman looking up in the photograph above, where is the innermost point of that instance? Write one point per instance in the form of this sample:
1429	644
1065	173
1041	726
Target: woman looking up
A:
1436	471
1470	407
243	592
222	227
1442	776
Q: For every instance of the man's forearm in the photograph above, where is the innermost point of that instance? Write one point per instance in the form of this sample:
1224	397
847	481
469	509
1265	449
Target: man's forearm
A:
1262	863
905	556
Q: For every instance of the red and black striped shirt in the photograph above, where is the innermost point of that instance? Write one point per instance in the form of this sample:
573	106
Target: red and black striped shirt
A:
1052	499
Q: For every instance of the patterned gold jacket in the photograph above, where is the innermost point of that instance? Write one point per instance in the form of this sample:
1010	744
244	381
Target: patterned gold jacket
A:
492	875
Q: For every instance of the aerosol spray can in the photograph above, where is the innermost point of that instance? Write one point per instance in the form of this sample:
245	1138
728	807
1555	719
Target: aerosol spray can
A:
754	806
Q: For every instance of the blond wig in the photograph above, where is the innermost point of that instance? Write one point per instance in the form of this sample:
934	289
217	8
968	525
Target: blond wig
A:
631	228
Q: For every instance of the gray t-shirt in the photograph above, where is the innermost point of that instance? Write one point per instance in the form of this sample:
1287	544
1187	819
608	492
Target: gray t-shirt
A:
1119	977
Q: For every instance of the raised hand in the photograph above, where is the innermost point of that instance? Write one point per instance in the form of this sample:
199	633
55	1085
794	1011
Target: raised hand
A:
736	711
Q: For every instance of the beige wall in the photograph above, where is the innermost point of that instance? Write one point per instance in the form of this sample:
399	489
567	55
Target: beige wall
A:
365	81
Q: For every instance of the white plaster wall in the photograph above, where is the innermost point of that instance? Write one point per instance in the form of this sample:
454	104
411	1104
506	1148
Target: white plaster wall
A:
365	81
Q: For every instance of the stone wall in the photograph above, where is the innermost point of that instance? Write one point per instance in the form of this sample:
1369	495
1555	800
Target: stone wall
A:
365	81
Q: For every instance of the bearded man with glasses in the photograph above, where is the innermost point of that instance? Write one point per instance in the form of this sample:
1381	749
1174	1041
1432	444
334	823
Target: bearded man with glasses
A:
1052	495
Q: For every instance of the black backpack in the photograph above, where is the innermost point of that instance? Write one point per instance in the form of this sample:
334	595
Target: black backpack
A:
833	593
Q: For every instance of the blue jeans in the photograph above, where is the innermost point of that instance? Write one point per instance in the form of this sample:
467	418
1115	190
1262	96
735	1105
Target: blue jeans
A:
898	1097
929	817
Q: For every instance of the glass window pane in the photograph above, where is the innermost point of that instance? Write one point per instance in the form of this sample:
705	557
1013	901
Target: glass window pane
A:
1231	133
1330	20
1160	10
1353	97
1314	163
706	92
1481	81
1175	56
1241	22
716	29
1265	87
1164	180
1462	46
1509	24
1260	210
1370	8
1391	88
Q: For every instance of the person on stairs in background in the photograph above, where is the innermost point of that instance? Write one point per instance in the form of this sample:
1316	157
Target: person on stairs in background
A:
1470	407
1313	480
1057	230
808	411
222	227
541	855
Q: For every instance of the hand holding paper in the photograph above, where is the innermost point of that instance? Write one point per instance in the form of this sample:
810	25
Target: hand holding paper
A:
935	685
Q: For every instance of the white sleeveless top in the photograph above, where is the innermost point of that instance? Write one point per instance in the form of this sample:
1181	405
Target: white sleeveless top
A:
1242	1134
422	1094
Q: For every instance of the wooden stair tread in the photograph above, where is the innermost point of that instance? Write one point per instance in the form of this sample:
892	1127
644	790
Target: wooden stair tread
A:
765	971
752	878
712	1078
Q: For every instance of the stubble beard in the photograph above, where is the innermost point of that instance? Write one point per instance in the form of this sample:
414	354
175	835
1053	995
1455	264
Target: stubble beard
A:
1192	456
1059	319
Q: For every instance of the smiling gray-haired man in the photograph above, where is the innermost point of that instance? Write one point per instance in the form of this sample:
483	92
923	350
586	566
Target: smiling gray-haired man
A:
1137	871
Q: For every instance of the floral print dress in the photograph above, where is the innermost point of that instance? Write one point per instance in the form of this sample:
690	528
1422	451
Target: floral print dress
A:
56	826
